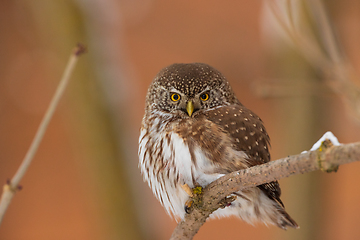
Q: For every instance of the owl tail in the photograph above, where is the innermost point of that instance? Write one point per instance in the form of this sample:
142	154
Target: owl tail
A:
272	211
284	220
255	206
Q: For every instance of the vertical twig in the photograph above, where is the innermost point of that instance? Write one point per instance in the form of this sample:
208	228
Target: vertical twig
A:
324	53
326	33
12	185
304	42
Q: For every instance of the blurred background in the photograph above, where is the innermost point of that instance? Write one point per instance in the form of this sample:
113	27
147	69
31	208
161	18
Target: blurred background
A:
84	182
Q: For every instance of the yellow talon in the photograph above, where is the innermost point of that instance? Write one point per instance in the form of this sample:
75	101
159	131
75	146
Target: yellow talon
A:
188	205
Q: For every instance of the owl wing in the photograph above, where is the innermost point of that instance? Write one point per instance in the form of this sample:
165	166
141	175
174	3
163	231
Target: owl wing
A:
248	134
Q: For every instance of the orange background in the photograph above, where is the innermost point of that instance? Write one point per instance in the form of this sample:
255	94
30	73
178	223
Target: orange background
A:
84	182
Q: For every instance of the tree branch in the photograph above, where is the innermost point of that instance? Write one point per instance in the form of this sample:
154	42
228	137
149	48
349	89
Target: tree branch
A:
12	186
327	158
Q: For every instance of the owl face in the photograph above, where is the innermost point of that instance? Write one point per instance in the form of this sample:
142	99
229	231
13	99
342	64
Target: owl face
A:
188	89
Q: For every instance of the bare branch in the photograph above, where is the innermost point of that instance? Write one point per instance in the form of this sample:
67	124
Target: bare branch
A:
12	185
323	52
325	158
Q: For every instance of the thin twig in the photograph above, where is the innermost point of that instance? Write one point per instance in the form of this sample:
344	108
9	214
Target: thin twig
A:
12	186
327	35
304	42
325	159
323	53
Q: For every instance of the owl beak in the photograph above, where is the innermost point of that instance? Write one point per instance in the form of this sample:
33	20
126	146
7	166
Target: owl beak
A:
190	108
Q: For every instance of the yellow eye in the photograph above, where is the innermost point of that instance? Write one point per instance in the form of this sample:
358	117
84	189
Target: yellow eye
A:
204	97
175	97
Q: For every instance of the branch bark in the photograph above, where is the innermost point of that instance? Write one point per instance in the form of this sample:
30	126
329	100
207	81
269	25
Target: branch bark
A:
327	158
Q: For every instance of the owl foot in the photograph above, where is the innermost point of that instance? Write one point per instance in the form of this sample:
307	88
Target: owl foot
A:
195	197
227	201
187	189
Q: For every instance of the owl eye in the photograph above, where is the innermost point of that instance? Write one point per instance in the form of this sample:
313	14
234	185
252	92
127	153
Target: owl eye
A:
204	97
175	97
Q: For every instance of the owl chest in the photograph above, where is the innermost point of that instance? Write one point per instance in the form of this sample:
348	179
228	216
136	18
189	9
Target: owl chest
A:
169	158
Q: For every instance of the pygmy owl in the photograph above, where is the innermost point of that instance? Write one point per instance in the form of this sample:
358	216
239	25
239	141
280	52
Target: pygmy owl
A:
194	131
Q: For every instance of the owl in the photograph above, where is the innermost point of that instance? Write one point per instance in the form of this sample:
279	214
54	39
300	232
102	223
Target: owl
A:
193	132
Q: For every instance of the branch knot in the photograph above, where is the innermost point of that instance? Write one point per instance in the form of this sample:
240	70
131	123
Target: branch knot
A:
324	164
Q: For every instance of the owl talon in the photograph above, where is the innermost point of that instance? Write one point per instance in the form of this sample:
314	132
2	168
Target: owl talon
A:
188	205
226	202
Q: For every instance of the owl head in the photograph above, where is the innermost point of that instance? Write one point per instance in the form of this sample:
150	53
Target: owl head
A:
186	89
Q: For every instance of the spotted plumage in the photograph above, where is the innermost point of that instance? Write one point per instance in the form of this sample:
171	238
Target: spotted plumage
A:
194	131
